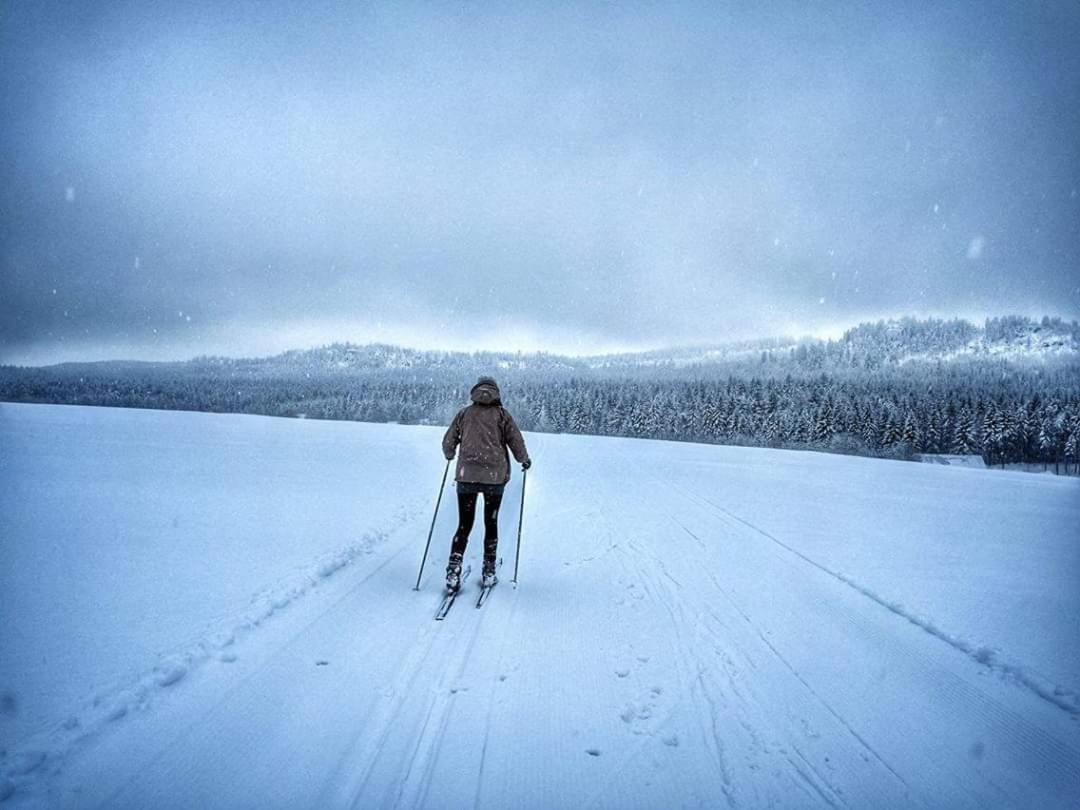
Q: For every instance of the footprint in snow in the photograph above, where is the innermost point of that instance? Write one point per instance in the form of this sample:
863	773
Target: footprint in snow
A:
322	663
169	672
592	752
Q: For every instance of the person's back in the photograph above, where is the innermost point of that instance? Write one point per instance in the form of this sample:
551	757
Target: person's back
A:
484	430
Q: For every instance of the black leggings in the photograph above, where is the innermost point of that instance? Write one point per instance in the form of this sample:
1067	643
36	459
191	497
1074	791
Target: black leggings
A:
466	502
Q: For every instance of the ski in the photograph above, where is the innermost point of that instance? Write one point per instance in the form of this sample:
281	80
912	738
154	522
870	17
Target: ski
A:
485	592
450	596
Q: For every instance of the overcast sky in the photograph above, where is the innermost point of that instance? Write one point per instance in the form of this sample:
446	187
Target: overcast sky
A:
242	178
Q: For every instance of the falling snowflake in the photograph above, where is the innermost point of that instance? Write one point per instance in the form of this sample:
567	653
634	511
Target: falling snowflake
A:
975	247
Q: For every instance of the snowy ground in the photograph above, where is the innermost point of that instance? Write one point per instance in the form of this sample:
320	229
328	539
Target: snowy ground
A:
216	611
953	460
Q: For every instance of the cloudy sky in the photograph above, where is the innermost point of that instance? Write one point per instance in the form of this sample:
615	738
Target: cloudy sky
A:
241	178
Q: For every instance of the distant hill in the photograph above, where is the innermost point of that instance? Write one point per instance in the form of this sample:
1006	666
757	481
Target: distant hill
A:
887	342
868	345
1013	337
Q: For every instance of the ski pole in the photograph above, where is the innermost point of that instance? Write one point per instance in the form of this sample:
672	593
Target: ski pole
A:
432	529
521	515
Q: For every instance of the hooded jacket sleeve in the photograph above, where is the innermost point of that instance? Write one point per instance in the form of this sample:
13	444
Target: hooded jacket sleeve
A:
452	438
513	438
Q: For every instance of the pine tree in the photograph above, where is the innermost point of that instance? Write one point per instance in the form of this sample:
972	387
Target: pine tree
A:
731	427
823	423
1020	434
932	435
1047	442
872	430
771	431
994	433
909	433
1071	449
963	440
891	433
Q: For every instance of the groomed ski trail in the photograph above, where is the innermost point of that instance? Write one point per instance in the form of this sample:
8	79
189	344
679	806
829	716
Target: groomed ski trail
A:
660	651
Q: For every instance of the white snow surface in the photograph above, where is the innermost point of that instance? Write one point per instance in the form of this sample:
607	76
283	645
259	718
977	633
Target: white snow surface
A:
952	459
206	610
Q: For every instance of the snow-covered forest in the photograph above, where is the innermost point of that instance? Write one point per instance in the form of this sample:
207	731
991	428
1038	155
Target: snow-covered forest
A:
1008	390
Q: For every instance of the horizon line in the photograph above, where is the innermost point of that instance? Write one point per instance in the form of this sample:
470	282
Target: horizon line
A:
823	334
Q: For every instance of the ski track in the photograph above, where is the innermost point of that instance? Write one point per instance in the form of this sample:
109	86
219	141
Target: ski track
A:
1052	761
708	682
1067	703
240	693
492	698
52	745
425	757
802	771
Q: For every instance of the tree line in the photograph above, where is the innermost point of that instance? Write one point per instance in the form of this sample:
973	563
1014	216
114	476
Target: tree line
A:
1000	412
888	389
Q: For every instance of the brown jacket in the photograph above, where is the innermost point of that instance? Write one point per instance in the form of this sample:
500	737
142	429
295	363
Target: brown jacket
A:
484	430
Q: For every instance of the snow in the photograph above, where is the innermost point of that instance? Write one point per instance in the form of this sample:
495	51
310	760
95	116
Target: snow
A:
146	552
217	610
1030	346
953	459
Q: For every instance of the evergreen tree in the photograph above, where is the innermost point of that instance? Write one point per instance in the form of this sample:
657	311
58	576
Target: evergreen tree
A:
1047	439
891	433
963	435
909	433
1071	450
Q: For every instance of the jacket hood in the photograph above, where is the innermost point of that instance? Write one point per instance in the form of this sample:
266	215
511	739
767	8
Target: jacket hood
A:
486	392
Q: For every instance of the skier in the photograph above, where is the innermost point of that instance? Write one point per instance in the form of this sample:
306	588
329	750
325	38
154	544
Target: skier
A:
484	430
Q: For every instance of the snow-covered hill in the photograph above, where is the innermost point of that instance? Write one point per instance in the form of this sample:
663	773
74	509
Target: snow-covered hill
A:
1011	338
206	610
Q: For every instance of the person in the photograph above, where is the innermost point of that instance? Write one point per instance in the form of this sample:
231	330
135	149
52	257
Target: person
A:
484	430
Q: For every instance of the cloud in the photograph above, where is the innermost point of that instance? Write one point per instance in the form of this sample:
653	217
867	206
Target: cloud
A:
603	176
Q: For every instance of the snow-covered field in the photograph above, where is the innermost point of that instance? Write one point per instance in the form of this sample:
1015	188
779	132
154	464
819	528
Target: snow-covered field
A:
206	610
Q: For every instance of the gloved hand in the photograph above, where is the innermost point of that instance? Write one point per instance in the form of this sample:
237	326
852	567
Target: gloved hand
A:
526	464
450	458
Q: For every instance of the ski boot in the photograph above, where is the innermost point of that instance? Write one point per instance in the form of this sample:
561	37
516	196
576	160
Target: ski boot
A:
453	573
489	578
